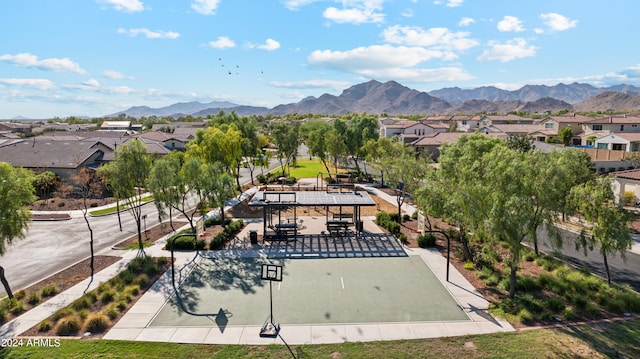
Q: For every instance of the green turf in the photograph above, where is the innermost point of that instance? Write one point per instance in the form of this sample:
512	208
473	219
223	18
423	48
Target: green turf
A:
313	291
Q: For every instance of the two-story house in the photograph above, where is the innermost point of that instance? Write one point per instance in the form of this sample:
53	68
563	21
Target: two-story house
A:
600	127
550	126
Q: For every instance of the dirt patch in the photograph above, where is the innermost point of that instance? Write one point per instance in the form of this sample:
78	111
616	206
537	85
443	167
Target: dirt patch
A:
68	204
151	234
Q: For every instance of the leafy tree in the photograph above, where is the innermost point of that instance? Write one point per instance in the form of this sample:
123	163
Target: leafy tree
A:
316	133
286	137
128	176
460	188
168	187
222	145
633	158
520	142
607	223
565	134
16	192
45	183
405	170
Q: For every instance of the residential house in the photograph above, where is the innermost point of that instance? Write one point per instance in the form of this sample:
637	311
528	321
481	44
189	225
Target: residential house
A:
599	127
409	130
627	142
172	141
16	127
551	126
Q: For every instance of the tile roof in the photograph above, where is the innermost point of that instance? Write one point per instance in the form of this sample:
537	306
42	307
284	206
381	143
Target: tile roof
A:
629	174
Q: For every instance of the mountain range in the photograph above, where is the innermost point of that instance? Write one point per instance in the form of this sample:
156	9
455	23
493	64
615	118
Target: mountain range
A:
392	98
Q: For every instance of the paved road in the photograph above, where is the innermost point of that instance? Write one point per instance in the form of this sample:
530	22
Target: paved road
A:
51	246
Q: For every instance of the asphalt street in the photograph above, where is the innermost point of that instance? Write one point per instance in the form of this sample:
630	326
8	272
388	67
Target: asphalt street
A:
51	246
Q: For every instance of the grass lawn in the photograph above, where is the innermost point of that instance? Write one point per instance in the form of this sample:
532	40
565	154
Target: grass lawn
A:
306	168
114	208
601	340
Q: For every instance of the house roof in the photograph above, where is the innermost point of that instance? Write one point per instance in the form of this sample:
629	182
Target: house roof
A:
622	120
437	139
633	174
120	124
570	118
516	128
47	153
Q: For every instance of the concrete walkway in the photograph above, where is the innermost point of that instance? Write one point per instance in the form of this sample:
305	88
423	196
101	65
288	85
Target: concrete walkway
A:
134	325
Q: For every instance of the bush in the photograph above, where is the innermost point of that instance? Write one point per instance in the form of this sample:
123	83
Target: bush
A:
108	296
112	312
44	326
83	302
406	217
20	295
96	323
395	217
629	198
468	265
186	243
143	280
382	218
49	290
403	238
34	298
133	289
17	309
61	313
67	326
426	240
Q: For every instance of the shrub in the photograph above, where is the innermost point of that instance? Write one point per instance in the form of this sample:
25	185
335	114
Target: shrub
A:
468	265
406	217
61	313
393	227
67	326
122	306
93	205
3	315
20	295
96	323
555	305
44	326
382	218
395	217
414	215
629	198
111	312
186	243
403	238
143	280
162	261
83	302
107	296
426	240
49	290
151	269
17	309
126	277
134	289
34	298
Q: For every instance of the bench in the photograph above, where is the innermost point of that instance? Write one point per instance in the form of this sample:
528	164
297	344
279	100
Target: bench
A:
337	227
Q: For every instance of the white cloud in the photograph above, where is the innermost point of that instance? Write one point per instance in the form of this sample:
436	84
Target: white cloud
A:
407	13
92	83
114	75
311	84
40	84
270	45
437	37
375	57
356	11
388	62
450	3
150	34
26	59
510	23
128	6
205	7
507	51
466	21
222	42
295	4
557	22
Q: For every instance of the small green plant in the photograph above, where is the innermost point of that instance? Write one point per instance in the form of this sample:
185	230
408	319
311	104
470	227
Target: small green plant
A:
403	238
61	313
468	265
426	240
111	312
44	326
34	299
107	296
83	302
17	309
143	280
133	289
49	290
68	326
97	323
20	295
406	217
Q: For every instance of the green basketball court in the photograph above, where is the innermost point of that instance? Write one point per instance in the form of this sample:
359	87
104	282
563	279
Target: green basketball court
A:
229	291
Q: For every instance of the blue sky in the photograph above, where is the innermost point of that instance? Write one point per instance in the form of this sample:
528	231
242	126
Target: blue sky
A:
96	57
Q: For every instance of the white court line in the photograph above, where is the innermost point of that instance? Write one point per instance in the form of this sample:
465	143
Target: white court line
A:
342	281
279	286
